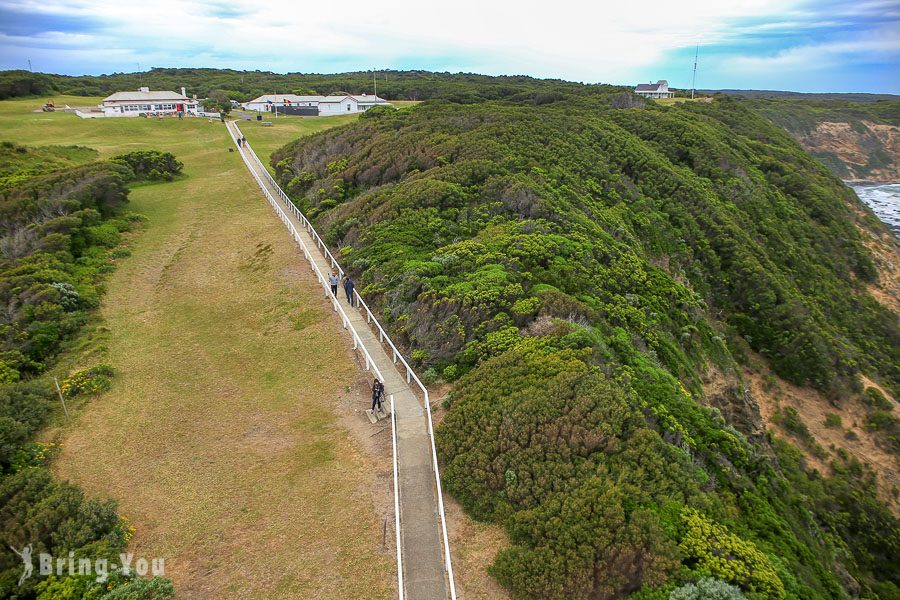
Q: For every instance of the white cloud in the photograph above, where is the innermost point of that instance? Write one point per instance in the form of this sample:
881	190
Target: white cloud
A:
879	44
588	41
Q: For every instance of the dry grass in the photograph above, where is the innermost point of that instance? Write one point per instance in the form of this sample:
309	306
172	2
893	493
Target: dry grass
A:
474	547
221	437
774	393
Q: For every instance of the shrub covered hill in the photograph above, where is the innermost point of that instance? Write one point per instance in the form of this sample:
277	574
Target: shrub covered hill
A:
855	140
577	267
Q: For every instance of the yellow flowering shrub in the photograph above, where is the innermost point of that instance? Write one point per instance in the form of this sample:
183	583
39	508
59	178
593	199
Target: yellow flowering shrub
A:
728	557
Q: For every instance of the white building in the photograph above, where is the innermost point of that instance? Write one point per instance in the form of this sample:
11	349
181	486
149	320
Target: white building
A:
327	105
660	89
132	104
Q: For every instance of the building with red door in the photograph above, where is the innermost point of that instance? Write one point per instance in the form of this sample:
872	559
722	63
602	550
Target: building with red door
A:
144	102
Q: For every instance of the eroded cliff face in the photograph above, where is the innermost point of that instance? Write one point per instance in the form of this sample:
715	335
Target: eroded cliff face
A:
862	151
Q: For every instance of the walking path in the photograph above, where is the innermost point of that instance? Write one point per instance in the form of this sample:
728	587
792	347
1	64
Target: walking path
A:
423	559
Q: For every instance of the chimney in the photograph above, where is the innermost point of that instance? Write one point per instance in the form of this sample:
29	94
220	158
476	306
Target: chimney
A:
146	90
182	91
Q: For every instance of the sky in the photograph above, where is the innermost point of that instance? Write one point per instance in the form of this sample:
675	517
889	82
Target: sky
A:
798	45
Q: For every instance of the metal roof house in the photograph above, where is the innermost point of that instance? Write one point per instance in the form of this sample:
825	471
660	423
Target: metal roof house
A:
327	105
660	89
143	101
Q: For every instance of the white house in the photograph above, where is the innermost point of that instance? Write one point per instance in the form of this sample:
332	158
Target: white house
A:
132	104
327	105
660	89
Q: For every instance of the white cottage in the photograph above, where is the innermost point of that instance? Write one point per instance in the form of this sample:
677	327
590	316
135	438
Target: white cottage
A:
660	89
143	101
327	105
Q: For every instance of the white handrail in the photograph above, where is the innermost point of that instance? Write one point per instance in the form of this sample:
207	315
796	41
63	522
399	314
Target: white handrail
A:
370	318
396	500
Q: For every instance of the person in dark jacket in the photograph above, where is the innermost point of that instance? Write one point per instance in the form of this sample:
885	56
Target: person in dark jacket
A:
377	394
348	289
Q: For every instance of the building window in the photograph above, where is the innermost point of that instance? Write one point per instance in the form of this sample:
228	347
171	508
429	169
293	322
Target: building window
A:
348	107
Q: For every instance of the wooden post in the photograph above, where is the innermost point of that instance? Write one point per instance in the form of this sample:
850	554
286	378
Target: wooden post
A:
61	399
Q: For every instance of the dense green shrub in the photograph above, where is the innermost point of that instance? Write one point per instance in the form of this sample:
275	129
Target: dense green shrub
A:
151	164
58	235
88	381
577	268
707	589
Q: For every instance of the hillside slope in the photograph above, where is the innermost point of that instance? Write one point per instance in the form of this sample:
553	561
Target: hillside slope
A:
595	279
857	141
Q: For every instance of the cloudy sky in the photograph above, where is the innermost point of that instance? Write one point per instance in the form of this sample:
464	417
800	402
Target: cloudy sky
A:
802	45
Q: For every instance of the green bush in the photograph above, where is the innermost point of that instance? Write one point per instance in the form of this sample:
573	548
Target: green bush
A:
707	589
728	557
151	164
94	380
833	421
874	398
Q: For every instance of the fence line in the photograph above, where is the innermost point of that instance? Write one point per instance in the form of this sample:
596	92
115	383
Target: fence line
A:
370	318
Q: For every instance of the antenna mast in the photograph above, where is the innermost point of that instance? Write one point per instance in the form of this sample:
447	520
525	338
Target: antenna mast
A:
694	77
375	83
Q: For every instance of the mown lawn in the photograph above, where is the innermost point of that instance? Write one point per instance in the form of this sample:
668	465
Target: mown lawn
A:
221	437
266	139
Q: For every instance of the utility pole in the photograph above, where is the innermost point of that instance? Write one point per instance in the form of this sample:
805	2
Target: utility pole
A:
375	83
694	77
140	75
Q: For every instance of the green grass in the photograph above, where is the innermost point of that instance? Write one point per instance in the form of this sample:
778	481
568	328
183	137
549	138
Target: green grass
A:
266	139
220	437
676	100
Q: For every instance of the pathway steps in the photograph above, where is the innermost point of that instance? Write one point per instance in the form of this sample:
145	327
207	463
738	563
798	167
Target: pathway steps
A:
420	531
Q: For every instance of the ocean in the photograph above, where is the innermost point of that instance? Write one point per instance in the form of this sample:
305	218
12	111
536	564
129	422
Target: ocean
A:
884	200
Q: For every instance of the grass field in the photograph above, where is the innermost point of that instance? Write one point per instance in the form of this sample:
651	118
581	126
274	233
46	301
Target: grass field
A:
266	139
229	436
670	101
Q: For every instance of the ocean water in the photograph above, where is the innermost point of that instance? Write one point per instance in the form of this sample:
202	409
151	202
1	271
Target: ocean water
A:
884	200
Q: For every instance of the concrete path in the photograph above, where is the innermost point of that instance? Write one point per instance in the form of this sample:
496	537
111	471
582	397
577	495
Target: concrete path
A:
423	565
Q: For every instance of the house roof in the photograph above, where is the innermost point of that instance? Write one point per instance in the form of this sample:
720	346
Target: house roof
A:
282	98
137	96
651	87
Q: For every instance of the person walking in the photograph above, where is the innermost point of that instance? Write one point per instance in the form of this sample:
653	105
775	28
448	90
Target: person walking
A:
333	281
377	395
240	142
243	140
348	289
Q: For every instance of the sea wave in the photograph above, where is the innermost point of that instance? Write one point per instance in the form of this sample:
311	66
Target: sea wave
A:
884	200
